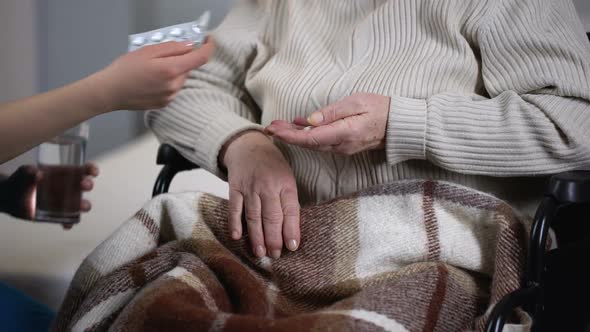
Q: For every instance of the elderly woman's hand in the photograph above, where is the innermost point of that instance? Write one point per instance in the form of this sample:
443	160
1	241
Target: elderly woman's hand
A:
354	124
261	182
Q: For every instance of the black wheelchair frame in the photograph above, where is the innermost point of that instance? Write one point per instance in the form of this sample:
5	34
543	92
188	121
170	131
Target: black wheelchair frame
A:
556	289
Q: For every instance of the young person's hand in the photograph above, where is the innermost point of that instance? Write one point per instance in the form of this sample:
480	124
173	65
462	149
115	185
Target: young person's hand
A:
147	78
150	77
18	192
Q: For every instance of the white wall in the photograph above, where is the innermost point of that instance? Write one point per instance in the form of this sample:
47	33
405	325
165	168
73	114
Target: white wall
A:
18	58
77	39
151	14
583	7
18	62
48	44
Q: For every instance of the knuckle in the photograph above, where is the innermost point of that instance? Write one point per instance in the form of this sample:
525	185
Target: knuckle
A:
252	220
263	185
251	210
235	186
273	218
234	210
290	188
331	113
291	210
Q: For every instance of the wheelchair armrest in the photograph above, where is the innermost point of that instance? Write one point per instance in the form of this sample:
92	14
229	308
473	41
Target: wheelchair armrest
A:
168	155
173	163
571	187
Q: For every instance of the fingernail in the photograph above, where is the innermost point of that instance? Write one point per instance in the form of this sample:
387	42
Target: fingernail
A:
260	252
292	245
316	118
235	235
191	44
275	254
270	130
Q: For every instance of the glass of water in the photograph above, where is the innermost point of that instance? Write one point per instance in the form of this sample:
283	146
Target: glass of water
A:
61	162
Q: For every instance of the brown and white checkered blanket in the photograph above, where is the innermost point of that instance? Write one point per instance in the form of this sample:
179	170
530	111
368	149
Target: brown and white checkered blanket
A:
409	256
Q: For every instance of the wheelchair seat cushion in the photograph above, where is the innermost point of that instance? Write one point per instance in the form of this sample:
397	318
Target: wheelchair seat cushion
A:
406	256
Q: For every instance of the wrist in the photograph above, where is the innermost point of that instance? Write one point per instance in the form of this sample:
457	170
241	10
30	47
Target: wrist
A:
239	142
100	93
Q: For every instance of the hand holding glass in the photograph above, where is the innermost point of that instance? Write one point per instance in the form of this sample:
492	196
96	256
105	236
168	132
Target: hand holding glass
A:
61	163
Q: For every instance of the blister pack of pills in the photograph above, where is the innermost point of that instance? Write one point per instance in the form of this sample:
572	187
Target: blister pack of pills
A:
191	32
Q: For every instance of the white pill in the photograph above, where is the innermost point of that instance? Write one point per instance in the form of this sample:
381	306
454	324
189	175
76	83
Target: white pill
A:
308	128
157	37
138	41
196	28
176	32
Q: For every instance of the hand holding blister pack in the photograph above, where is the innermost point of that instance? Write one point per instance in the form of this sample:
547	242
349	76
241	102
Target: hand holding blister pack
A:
190	32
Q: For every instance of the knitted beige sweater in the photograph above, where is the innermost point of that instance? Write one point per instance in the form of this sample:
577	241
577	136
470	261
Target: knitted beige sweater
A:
494	95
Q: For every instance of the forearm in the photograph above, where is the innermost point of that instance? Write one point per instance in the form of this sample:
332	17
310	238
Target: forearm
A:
28	122
509	135
537	117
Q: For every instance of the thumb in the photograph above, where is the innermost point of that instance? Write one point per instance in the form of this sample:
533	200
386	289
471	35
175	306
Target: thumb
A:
331	113
193	59
166	49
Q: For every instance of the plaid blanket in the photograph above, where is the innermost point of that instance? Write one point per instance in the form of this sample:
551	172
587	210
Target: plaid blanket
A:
408	256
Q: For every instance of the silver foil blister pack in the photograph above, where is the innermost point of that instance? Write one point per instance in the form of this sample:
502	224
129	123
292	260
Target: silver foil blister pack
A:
190	32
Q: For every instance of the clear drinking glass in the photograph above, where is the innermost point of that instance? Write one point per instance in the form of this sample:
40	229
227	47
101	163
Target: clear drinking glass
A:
61	162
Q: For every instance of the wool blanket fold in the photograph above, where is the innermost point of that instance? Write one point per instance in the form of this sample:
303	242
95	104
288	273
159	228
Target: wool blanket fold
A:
406	256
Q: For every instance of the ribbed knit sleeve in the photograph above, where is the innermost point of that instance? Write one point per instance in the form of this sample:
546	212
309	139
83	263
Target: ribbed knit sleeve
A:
214	105
536	70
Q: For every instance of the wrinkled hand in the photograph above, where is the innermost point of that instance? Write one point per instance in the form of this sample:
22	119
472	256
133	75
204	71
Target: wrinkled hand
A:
356	123
17	193
151	76
261	182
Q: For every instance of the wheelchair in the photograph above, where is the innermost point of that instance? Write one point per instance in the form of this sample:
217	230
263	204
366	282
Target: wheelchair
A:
556	288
